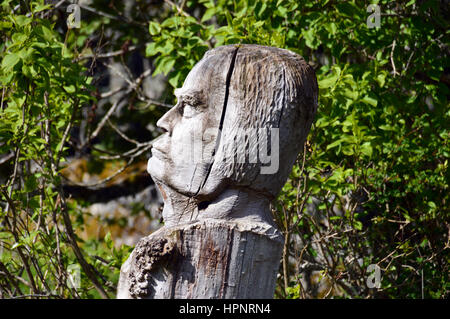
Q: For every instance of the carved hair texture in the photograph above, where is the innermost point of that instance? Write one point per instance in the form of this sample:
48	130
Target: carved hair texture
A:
269	88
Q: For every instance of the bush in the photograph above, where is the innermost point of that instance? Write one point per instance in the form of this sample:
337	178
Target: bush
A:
370	189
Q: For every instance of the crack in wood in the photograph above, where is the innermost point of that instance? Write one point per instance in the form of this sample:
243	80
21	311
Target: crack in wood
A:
222	117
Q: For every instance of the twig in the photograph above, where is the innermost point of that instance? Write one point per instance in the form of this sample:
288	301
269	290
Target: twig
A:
129	153
112	92
110	16
329	291
107	179
126	138
407	64
392	58
151	101
113	156
3	95
66	132
114	69
73	242
141	77
133	85
13	277
59	4
17	153
16	238
6	158
180	9
105	55
422	286
61	201
102	122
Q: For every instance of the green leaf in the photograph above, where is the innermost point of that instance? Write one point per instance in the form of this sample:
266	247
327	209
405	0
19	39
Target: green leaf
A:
366	149
150	50
5	25
70	88
368	100
328	81
258	24
167	48
154	28
41	7
164	65
47	34
387	127
353	95
209	13
174	79
16	245
171	22
26	70
358	225
108	240
311	39
6	79
22	20
229	18
19	38
331	79
334	144
381	79
10	61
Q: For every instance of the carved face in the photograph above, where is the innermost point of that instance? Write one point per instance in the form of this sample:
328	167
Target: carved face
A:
182	157
248	91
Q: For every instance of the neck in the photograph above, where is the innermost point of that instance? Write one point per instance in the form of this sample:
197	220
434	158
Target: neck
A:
232	204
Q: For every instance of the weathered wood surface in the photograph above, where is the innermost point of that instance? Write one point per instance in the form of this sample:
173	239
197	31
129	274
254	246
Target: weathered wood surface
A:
238	107
207	259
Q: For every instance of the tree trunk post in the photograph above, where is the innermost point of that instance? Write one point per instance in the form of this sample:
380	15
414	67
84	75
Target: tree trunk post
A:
206	259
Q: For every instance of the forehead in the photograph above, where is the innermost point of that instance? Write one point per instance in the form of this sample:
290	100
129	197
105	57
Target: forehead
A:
206	75
195	83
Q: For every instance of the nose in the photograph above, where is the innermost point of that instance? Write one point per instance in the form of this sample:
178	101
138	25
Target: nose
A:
168	120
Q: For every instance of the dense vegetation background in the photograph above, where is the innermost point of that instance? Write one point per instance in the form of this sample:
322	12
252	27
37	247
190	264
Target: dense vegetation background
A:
79	107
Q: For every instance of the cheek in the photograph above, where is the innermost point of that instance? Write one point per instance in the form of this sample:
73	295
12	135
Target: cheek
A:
181	142
192	142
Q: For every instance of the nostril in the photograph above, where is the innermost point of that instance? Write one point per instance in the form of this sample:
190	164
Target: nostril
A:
169	120
165	122
162	125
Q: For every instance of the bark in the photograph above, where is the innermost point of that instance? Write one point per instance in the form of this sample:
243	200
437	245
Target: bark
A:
206	259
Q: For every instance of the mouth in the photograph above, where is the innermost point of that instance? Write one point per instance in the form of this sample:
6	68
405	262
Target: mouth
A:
158	145
158	153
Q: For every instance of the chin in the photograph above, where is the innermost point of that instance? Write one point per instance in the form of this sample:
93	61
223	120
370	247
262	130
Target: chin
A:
155	167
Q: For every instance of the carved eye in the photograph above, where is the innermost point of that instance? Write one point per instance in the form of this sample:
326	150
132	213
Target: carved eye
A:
189	110
190	104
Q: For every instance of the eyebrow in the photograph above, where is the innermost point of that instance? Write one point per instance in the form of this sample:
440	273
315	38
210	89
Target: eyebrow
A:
192	96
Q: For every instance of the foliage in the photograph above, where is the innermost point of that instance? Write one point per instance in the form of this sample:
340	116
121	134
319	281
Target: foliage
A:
378	161
371	186
41	93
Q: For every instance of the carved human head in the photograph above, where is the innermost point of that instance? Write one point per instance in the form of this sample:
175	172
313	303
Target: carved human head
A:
241	118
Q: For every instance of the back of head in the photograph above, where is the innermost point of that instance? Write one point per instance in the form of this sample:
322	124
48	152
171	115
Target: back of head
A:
272	92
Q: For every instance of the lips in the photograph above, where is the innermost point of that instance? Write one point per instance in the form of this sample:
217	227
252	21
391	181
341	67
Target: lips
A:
158	153
159	145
